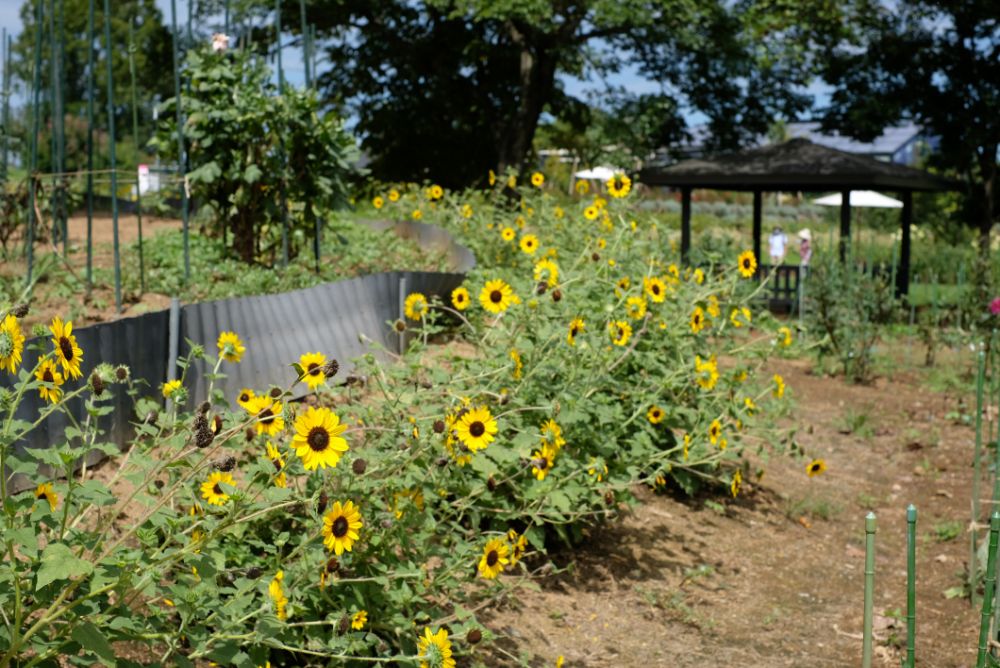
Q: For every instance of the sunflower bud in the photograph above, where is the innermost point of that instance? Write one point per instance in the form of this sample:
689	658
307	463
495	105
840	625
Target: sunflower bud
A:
20	310
321	504
609	498
595	257
557	295
225	464
442	461
359	466
249	434
96	384
541	288
438	426
151	417
474	636
345	623
331	368
204	407
399	326
122	373
275	392
253	572
491	483
332	566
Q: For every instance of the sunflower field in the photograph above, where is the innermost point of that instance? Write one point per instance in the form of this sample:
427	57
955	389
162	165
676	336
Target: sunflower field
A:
371	521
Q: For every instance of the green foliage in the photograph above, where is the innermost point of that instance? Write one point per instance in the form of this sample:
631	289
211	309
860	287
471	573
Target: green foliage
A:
256	154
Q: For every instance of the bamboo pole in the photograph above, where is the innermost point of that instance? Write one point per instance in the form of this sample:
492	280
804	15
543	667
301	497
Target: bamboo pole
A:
138	150
988	585
90	145
911	585
866	642
980	370
111	155
36	120
180	142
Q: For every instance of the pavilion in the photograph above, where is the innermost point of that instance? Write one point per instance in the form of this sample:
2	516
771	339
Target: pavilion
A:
798	165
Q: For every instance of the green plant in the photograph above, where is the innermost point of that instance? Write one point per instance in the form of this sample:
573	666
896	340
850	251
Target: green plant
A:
857	422
947	530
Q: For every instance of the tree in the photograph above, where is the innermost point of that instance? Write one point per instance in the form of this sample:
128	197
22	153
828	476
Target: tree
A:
937	62
450	88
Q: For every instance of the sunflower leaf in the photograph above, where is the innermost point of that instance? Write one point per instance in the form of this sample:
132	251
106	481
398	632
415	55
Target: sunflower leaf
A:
59	563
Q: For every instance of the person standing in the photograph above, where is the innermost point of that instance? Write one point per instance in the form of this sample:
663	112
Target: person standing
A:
805	249
777	243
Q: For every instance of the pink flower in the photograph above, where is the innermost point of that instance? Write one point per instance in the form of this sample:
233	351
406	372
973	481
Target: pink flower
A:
995	306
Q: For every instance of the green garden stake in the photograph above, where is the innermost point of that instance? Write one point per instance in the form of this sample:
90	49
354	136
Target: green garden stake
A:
225	23
61	125
54	123
6	99
138	151
866	646
911	585
111	155
180	143
90	145
284	157
35	122
988	586
981	363
305	41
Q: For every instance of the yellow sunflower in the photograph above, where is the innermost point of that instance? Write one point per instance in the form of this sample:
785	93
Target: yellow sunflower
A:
12	343
707	372
548	271
491	178
280	479
655	414
636	307
655	288
393	195
714	431
622	286
529	244
698	276
576	327
415	306
212	490
270	419
277	594
747	264
494	558
359	619
815	467
734	486
512	181
620	332
518	546
317	439
518	364
231	348
244	398
543	460
779	386
740	316
460	298
340	527
68	353
312	369
697	320
713	306
48	373
582	187
552	434
378	202
417	214
591	213
476	428
508	234
558	212
45	491
785	336
538	179
435	192
496	296
466	211
434	649
619	186
170	388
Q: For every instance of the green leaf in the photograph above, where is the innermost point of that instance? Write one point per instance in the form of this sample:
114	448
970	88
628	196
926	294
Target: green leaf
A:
25	540
91	639
252	174
59	563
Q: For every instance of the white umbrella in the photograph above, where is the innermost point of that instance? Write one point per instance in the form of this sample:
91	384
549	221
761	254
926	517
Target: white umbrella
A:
868	198
599	173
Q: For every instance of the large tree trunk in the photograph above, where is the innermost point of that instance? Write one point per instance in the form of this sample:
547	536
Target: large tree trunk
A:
988	174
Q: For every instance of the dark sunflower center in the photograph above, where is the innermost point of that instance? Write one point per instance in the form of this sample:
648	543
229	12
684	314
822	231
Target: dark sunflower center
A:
746	263
496	296
244	397
47	376
697	318
66	347
460	298
621	332
492	558
544	463
318	439
266	415
574	331
340	527
477	429
313	369
41	495
656	289
217	489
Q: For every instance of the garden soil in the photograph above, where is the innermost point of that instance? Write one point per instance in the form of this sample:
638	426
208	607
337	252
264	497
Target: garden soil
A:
777	578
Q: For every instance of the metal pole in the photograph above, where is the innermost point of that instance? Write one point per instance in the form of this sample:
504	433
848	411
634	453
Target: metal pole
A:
911	585
866	643
111	152
988	585
138	149
981	364
180	142
6	104
36	88
90	145
61	126
53	115
226	20
284	156
305	41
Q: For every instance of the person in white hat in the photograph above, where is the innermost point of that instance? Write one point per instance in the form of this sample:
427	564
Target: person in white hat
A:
805	248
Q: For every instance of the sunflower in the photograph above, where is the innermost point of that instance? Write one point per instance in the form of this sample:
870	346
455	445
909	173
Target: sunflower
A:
591	213
582	187
280	479
317	439
558	212
518	364
687	446
548	271
543	460
244	398
45	491
785	336
538	179
212	491
815	467
48	373
466	211
576	327
697	320
619	186
359	619
417	214
476	428
491	178
12	343
434	649
698	276
715	431
231	348
740	316
393	195
68	353
277	594
435	192
494	558
529	244
750	406
508	234
713	307
734	486
169	388
378	202
655	414
706	373
270	419
312	369
496	296
655	288
597	469
636	307
460	298
622	286
620	332
416	306
747	264
340	527
518	546
779	386
552	434
512	181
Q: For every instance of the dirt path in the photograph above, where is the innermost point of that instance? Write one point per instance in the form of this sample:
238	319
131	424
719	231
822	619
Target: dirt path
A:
778	579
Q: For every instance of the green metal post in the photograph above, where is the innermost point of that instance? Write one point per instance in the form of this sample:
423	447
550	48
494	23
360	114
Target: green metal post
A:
305	41
53	115
6	105
111	155
284	156
180	142
866	642
90	145
226	20
138	150
312	50
911	585
36	121
988	586
981	364
61	126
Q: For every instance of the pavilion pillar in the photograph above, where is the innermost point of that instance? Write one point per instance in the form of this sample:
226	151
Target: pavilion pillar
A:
758	201
906	219
845	224
685	224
